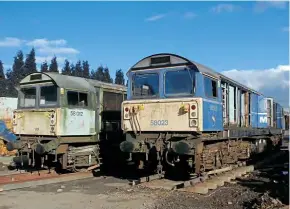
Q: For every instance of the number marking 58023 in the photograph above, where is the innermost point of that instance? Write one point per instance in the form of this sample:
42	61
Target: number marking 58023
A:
159	122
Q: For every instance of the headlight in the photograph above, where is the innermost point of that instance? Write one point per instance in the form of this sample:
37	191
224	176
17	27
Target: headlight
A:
193	122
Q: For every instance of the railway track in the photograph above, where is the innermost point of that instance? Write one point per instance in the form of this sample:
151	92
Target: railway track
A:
19	180
208	182
201	185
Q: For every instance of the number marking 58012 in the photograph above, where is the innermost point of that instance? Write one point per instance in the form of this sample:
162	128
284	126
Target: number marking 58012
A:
159	122
76	113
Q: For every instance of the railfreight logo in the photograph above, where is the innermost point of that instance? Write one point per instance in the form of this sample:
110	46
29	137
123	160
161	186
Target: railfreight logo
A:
263	119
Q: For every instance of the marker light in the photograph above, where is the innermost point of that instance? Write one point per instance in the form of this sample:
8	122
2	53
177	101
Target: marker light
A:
193	107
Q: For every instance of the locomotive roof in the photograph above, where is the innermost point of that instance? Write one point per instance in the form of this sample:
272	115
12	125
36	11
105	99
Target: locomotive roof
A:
71	82
177	60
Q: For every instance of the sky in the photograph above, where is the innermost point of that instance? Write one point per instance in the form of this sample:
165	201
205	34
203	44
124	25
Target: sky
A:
247	41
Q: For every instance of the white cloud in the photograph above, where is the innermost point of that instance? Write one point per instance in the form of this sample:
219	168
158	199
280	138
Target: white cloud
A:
40	60
189	15
51	47
58	50
42	45
155	17
224	8
10	42
262	6
44	42
273	82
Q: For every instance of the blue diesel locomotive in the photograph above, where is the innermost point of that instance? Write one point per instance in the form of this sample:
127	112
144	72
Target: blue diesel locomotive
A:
181	114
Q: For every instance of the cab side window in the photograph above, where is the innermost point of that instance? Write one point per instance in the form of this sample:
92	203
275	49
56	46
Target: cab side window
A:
77	99
210	87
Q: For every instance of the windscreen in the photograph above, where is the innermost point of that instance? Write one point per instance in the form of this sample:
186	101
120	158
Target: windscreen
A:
48	95
179	82
27	97
145	85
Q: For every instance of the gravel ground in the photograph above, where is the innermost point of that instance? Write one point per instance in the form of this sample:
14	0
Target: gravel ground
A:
265	188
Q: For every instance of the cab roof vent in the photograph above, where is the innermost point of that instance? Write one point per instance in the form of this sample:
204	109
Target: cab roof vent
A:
35	77
164	60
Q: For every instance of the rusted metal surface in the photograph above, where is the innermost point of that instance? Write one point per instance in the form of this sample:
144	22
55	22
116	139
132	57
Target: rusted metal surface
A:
198	153
34	176
25	177
209	182
62	149
216	155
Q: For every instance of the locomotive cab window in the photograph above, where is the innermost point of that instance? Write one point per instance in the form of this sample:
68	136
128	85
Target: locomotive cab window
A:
210	87
77	99
145	85
48	95
179	82
27	97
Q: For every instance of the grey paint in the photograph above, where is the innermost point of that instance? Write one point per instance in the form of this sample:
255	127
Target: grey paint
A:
73	82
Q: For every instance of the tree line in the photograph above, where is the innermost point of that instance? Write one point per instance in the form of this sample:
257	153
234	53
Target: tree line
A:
24	66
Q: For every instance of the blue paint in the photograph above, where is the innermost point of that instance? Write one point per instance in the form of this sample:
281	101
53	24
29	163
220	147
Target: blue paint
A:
254	110
199	85
212	116
262	112
6	134
278	116
283	120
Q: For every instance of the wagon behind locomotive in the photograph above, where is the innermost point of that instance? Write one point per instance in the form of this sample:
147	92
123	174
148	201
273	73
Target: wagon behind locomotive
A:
63	118
180	112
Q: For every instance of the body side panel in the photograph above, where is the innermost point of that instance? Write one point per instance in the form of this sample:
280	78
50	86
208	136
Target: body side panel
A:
262	112
212	116
76	121
254	110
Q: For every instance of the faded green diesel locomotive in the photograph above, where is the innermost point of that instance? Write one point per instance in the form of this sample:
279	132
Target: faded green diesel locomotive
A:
65	120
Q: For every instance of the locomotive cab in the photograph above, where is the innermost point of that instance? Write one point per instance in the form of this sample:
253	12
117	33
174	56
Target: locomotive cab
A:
48	108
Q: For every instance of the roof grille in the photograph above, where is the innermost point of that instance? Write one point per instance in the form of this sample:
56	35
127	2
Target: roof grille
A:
36	77
160	60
